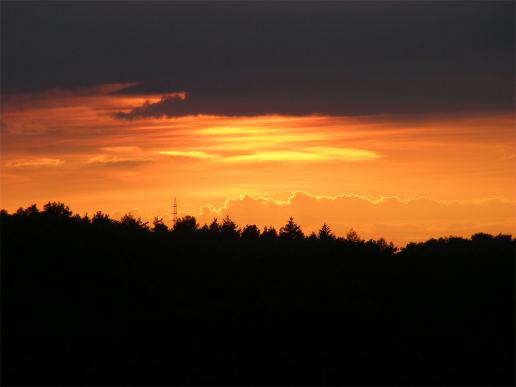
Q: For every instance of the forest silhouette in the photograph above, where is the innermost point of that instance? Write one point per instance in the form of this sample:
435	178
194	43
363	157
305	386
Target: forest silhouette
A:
94	301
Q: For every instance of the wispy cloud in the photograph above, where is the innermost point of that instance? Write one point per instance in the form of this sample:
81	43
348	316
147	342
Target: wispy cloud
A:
196	154
120	156
307	154
34	162
311	154
112	160
121	149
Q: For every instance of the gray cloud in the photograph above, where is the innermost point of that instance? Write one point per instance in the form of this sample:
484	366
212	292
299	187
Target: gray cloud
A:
166	106
334	96
255	58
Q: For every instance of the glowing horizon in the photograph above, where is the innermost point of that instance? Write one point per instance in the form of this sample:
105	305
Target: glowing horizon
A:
71	147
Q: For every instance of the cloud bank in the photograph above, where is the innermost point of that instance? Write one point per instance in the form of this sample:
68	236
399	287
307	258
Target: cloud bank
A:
399	220
333	58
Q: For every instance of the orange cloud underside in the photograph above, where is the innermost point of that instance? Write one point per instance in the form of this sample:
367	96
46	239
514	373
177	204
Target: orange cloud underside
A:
68	147
399	220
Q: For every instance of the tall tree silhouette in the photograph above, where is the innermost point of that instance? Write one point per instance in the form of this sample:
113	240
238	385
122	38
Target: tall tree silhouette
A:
132	223
269	234
229	229
353	237
186	225
159	226
250	233
55	210
291	231
325	233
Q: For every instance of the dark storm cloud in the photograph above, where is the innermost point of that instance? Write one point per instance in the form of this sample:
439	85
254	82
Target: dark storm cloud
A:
164	107
254	58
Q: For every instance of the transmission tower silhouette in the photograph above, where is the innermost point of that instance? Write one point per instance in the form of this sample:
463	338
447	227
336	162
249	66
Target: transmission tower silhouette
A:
174	212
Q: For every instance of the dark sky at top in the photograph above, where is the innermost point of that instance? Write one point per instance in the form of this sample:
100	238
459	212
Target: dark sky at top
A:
251	58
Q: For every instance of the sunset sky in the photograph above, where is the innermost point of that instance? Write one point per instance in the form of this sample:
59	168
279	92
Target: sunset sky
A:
392	118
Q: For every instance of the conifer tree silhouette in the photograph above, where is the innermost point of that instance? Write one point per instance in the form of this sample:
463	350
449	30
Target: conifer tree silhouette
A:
291	231
325	233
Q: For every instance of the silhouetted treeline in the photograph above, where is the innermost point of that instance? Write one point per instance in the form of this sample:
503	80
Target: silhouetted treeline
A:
92	301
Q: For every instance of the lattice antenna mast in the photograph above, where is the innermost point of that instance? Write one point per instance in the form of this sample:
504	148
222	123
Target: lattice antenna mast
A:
174	212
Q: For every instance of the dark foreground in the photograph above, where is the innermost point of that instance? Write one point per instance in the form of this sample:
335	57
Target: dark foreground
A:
103	303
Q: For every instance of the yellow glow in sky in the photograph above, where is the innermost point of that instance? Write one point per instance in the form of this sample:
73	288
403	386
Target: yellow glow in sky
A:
69	147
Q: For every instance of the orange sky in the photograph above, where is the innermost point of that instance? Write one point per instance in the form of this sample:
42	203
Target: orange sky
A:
67	146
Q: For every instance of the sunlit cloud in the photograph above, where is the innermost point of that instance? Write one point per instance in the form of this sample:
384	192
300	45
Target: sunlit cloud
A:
121	149
397	219
120	155
193	154
304	154
111	159
307	154
235	130
34	163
